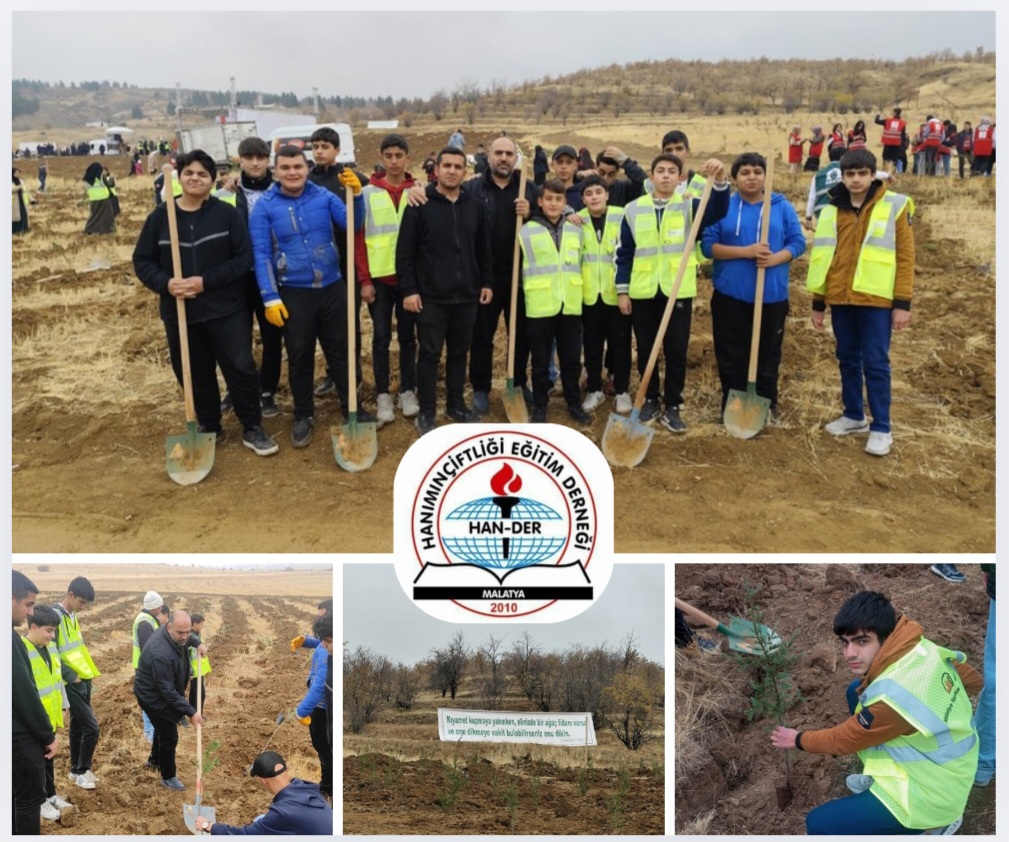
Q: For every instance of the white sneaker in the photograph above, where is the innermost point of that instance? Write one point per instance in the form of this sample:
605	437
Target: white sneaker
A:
858	783
60	803
384	414
845	426
593	400
624	404
50	812
879	444
86	781
948	830
409	404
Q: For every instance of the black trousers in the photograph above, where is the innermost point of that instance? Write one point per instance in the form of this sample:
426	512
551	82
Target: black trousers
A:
166	739
732	328
315	314
28	766
50	778
387	300
646	315
566	331
224	342
605	325
84	730
192	694
448	326
965	160
481	359
318	730
272	338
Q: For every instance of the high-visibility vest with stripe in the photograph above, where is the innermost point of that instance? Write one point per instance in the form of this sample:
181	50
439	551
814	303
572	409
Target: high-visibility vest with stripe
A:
142	617
226	196
112	187
381	230
49	681
97	191
876	270
70	645
983	140
598	270
695	189
893	131
924	778
194	662
935	132
659	251
551	277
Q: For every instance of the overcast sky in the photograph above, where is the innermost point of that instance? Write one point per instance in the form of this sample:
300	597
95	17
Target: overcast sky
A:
378	615
378	53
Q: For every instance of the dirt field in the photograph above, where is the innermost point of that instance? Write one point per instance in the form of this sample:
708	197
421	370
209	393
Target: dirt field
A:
251	618
94	399
726	771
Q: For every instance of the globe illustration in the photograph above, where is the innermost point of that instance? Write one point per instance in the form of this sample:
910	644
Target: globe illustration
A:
503	552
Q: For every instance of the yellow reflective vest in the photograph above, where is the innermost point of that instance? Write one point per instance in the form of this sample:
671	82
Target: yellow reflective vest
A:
194	662
70	645
381	229
598	270
658	252
48	680
924	778
876	270
551	277
694	190
226	196
142	617
97	191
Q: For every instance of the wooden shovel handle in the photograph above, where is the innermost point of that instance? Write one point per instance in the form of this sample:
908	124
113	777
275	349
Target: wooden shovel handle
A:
180	304
514	304
697	614
351	314
688	249
758	298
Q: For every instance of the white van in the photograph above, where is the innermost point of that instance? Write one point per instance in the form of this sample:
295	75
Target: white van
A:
300	136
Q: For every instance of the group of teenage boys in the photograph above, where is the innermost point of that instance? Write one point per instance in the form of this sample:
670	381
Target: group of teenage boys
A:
598	258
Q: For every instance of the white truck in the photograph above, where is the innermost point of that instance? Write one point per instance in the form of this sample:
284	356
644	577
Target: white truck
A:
219	140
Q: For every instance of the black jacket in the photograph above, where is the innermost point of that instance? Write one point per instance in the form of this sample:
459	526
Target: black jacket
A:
499	204
214	243
627	190
30	718
162	678
443	251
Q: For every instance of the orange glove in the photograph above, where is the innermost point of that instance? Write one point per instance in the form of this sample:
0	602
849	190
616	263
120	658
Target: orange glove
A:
305	720
348	178
297	642
276	313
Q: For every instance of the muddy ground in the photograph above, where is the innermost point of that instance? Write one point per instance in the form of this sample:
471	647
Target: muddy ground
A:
727	774
94	400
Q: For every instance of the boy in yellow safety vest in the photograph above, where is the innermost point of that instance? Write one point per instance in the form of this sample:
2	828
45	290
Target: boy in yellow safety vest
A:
911	726
862	265
45	661
78	672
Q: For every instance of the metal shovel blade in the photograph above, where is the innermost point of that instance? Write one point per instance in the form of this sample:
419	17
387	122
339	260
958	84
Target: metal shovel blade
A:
626	440
189	457
355	444
745	412
515	404
191	811
743	637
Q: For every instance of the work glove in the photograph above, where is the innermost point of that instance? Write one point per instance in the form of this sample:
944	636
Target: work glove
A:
297	642
305	720
276	313
349	179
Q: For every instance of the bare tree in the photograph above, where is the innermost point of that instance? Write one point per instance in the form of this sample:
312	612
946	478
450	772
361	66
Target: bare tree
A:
492	683
361	691
449	665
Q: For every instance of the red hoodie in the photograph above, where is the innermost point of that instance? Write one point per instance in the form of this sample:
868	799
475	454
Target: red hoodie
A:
396	192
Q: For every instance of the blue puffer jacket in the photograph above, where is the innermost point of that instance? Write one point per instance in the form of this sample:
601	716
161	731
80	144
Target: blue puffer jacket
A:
741	227
316	695
297	810
292	239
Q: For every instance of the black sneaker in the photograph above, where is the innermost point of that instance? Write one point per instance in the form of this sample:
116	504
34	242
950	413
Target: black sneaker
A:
301	432
649	410
227	404
948	572
210	428
462	414
773	416
425	423
268	405
671	421
538	415
527	396
579	414
326	387
259	441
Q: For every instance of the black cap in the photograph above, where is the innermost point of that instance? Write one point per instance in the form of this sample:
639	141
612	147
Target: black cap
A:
265	766
564	150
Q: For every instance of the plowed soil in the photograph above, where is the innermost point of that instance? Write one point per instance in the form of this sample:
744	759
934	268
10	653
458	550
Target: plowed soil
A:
94	400
726	770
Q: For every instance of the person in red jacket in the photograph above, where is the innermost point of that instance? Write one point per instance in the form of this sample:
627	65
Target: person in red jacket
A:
984	146
856	137
815	150
836	138
965	147
893	135
795	144
931	140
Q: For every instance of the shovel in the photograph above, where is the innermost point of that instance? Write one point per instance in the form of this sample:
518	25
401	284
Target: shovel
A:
191	811
355	445
514	402
742	634
189	457
746	412
626	440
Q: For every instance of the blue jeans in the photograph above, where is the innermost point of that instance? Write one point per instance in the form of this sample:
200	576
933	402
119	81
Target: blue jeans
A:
984	719
942	163
148	727
863	354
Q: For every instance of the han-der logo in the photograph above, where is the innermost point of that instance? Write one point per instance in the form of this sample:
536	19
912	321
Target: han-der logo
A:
503	523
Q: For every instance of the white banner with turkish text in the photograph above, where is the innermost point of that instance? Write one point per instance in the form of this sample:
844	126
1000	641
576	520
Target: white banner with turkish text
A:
498	726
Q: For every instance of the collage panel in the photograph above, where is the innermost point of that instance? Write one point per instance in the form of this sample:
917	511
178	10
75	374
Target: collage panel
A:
835	698
169	698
